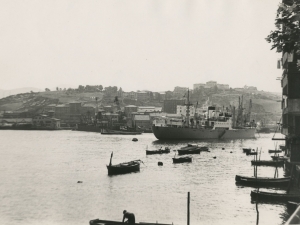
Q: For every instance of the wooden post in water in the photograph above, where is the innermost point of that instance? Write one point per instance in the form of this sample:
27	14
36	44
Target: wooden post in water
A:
188	209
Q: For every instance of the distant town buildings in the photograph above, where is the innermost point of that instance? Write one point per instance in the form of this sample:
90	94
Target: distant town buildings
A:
211	84
180	92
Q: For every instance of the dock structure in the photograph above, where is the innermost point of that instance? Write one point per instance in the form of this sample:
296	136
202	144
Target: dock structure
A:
110	222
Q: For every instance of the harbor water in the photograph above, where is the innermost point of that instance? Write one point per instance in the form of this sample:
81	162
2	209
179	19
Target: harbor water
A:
40	170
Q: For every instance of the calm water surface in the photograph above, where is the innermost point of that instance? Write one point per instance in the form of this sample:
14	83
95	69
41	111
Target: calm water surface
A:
39	171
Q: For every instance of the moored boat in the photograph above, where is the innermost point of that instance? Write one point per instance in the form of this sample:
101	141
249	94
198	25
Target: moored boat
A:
274	151
267	163
247	150
182	159
189	150
159	151
262	181
251	153
279	158
273	196
110	222
120	132
123	168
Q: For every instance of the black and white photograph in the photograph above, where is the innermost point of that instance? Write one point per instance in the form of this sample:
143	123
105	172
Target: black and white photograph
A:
166	112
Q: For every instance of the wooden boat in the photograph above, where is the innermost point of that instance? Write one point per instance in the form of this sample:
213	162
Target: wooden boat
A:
279	158
246	150
110	222
189	150
274	151
267	163
182	159
204	149
122	168
251	153
273	196
159	151
262	181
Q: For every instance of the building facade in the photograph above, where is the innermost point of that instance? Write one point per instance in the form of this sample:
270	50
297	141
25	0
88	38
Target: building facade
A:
170	106
142	121
44	121
290	84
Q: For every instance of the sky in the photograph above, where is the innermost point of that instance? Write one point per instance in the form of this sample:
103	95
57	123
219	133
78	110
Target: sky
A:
137	44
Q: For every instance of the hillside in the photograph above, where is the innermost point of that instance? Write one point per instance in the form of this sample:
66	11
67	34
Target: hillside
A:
264	104
5	93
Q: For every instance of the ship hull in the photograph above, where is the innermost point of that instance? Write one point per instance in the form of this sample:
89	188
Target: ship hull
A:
172	133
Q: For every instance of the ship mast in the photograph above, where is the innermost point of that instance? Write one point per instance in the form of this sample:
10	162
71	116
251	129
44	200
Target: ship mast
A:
188	109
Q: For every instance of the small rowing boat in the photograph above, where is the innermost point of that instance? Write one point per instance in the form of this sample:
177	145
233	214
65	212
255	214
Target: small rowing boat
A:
267	163
123	168
159	151
182	159
262	181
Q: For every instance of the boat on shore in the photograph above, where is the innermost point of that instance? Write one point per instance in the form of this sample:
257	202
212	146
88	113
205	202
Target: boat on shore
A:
159	151
123	168
214	124
182	159
267	163
273	196
262	181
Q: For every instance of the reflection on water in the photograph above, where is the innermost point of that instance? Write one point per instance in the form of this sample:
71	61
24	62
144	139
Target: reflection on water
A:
40	171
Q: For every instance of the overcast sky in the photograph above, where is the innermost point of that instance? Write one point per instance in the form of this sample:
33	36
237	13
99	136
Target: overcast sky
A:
138	45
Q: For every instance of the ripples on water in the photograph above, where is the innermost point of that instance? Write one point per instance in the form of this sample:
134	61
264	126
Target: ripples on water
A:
39	171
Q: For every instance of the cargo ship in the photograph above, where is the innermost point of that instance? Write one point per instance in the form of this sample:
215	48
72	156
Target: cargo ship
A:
213	125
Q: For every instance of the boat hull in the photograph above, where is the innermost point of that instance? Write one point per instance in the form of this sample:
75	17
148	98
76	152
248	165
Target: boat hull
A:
274	197
152	152
267	163
262	181
274	151
117	169
182	160
169	133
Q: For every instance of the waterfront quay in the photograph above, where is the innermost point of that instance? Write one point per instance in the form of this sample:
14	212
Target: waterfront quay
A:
40	171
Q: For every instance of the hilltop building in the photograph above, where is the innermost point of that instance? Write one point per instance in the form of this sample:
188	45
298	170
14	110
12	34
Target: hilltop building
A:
179	92
211	84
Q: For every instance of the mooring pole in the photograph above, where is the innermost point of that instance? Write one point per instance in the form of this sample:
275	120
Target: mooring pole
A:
188	209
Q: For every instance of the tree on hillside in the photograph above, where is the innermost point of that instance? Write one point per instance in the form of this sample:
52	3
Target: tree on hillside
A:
47	89
80	88
120	92
100	87
57	88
